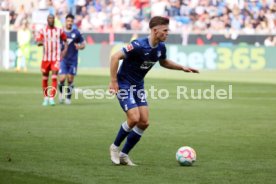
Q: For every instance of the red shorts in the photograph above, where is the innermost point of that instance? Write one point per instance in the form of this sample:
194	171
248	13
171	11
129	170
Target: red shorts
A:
47	66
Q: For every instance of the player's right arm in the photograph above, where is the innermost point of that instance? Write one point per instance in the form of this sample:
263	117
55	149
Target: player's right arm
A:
80	44
39	38
114	63
128	51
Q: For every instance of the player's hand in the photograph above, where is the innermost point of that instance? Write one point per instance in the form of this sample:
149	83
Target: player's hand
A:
57	64
77	46
63	53
113	87
187	69
40	43
39	40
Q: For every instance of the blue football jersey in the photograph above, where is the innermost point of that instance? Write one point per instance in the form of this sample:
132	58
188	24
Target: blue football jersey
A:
73	37
140	57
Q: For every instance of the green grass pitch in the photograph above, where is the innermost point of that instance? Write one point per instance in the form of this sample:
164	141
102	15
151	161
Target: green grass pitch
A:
234	139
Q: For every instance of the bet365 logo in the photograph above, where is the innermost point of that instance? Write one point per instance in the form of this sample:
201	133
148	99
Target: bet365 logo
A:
219	57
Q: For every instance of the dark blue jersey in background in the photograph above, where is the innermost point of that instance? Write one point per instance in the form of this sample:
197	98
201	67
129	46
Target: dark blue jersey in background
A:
73	37
139	59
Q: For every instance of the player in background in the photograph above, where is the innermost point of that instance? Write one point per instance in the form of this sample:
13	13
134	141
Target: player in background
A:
69	63
50	38
24	37
138	58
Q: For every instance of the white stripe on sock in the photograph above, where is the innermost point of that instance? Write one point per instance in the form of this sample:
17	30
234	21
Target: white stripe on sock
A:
123	154
139	131
126	127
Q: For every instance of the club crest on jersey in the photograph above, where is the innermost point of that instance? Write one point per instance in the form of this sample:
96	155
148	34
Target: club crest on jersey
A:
73	35
129	47
136	43
147	64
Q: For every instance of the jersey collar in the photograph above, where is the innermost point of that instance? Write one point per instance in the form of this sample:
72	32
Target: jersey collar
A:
150	43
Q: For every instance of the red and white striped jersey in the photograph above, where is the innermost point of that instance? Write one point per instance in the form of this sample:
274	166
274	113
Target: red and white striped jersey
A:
51	38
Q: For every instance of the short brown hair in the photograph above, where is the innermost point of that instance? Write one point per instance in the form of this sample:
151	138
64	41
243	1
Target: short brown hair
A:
158	20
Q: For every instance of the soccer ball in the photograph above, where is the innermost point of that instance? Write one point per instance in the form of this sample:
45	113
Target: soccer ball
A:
186	156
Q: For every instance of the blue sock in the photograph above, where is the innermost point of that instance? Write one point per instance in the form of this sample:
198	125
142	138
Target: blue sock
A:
123	132
70	90
132	139
61	86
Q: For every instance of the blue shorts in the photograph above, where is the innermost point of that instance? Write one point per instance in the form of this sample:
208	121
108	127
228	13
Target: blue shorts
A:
67	68
131	96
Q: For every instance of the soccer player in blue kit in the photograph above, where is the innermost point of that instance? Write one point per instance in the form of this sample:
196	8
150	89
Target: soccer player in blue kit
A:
69	63
128	83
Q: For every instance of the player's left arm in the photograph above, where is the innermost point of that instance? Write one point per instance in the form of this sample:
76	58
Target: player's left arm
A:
80	46
80	42
39	38
166	63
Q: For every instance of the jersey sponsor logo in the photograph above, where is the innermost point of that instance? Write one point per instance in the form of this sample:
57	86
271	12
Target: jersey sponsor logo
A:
129	47
146	65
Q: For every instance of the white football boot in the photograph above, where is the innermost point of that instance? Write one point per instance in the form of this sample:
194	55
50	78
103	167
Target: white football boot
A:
67	101
114	154
125	160
60	98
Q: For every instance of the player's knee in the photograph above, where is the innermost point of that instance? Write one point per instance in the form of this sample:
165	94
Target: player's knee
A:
62	80
55	72
44	73
143	124
70	82
144	121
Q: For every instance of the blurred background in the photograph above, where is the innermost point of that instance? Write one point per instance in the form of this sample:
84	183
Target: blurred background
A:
205	34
